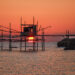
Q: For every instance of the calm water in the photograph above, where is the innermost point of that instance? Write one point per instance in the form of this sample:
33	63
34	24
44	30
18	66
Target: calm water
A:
48	45
52	61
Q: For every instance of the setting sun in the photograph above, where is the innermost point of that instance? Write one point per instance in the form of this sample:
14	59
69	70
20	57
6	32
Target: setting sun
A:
31	38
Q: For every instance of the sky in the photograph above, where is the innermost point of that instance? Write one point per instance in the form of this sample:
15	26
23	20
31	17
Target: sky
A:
59	14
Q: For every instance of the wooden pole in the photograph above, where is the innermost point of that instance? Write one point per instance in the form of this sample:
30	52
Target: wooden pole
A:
43	41
37	42
25	43
2	40
33	44
10	48
68	42
37	36
33	36
21	36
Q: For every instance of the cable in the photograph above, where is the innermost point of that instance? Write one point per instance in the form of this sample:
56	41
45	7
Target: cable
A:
4	30
11	29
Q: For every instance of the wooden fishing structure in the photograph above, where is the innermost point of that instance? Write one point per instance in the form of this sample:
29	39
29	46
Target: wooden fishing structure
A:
28	33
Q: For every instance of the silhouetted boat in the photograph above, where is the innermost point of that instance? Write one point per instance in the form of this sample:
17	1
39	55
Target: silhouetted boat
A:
67	43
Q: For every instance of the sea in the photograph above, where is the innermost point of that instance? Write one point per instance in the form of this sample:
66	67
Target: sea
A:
16	45
52	61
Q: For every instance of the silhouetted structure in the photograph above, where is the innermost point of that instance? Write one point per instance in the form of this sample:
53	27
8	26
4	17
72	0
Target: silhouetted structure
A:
67	43
29	32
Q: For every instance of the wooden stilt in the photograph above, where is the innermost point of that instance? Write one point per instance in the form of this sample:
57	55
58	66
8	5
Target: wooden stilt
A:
25	44
43	41
20	43
10	48
33	45
21	36
37	43
2	40
37	34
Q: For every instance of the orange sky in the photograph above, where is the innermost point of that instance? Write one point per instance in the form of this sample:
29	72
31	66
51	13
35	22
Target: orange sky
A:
60	14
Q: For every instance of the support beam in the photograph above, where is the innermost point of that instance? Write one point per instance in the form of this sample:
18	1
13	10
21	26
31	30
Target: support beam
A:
37	36
10	41
37	42
34	44
2	40
25	43
43	41
21	36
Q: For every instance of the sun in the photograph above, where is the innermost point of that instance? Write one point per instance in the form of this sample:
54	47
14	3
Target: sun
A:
31	38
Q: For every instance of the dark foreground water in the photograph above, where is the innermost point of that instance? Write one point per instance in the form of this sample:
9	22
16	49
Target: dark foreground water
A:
53	61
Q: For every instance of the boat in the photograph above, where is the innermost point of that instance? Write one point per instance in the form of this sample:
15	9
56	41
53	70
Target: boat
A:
67	43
